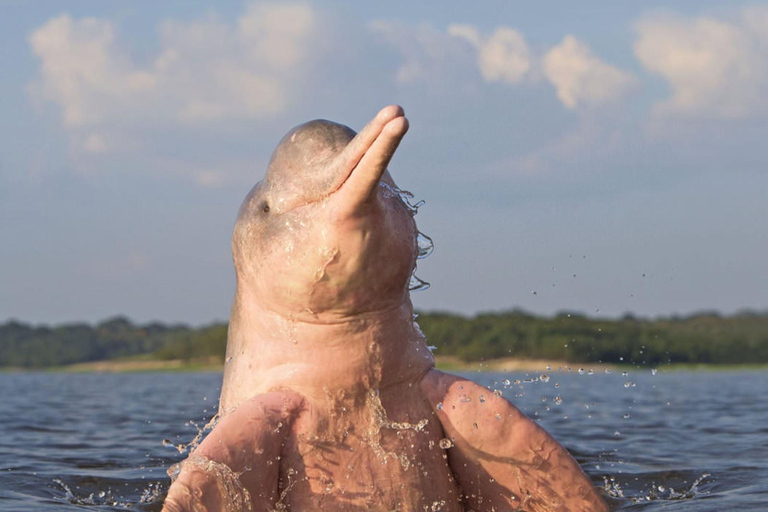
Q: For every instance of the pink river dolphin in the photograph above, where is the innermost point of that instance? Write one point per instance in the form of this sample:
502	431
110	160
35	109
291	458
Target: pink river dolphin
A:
330	399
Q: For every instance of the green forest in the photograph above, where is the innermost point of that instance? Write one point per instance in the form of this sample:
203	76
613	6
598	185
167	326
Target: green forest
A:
702	338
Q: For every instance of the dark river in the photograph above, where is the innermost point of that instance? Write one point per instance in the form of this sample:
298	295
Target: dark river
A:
678	441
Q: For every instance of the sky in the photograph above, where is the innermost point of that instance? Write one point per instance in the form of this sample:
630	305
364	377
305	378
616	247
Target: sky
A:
599	157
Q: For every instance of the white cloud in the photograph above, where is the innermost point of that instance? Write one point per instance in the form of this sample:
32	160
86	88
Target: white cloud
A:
502	57
429	55
580	78
276	34
714	67
594	141
79	63
204	71
95	143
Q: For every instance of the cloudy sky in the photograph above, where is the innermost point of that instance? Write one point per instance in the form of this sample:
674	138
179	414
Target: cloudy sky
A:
603	157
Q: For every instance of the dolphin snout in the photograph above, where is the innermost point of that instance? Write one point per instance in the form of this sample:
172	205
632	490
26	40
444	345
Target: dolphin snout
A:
368	154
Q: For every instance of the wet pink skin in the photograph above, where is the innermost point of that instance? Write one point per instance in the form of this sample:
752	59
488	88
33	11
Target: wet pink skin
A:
330	399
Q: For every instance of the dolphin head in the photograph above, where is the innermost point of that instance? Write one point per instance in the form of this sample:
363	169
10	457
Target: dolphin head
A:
325	235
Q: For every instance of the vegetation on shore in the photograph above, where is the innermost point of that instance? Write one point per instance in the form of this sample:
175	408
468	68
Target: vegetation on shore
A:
699	339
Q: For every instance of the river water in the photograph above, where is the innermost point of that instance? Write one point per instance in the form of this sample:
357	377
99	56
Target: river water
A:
677	441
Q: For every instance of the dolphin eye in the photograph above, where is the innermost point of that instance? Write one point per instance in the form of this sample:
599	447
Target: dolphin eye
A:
265	208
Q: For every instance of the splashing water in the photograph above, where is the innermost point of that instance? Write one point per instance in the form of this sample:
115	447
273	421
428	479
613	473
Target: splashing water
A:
379	421
201	432
404	196
657	492
230	489
424	244
153	493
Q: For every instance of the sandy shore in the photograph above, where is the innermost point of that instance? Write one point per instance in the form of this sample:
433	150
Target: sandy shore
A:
511	364
212	364
447	363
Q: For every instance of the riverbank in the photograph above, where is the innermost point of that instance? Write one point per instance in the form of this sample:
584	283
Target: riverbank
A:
214	364
445	363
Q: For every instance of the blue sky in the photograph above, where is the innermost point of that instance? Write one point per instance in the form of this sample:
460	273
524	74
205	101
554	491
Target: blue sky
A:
605	157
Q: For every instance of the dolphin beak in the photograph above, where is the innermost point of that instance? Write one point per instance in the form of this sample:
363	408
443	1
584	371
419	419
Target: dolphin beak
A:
366	157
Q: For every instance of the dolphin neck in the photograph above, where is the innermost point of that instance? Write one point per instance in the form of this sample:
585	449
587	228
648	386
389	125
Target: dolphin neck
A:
267	350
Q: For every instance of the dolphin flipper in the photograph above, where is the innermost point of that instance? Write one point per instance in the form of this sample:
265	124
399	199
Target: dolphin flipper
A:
501	459
237	465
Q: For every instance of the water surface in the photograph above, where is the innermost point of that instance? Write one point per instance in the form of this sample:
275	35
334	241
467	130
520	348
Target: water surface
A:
682	441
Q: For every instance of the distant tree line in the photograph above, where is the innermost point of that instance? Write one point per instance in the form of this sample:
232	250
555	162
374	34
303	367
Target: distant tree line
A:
26	346
700	338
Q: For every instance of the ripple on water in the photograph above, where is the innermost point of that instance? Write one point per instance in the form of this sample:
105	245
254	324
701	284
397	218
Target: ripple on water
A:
121	421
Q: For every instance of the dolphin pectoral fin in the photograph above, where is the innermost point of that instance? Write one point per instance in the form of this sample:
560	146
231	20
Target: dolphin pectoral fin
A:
502	459
237	466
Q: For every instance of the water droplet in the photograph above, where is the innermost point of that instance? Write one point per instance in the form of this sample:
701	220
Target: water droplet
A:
417	285
497	392
617	433
544	377
558	400
628	384
440	406
446	443
230	359
482	399
626	415
653	371
505	382
581	371
425	245
437	506
465	399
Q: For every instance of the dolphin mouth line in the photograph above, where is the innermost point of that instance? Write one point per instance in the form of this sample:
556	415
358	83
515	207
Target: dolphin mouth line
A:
334	190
